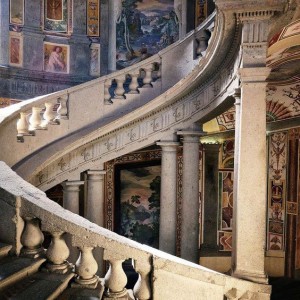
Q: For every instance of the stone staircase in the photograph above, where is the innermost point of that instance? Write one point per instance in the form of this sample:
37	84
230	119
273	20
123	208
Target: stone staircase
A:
28	271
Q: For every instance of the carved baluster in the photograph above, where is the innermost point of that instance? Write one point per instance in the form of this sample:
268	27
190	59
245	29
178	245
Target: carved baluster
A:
49	115
120	91
35	119
107	97
62	111
158	73
57	253
115	279
202	42
148	76
86	268
32	238
22	124
142	288
133	86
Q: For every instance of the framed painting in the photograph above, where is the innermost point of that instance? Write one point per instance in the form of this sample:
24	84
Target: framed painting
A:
93	18
56	58
16	12
54	10
137	202
16	49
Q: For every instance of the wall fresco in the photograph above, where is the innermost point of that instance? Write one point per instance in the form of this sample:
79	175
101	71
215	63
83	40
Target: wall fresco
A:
56	58
16	15
56	15
143	28
93	18
16	49
277	174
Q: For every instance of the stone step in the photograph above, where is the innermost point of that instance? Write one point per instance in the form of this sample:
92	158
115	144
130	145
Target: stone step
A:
14	269
39	286
4	249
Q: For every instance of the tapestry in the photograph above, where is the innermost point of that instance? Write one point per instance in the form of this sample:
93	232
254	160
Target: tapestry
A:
93	18
277	175
56	58
144	27
16	15
140	204
56	15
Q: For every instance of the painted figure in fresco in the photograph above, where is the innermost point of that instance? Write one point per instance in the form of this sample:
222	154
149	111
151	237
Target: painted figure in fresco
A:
56	62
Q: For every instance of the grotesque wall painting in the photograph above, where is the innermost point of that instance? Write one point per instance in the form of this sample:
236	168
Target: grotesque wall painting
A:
93	17
56	15
17	12
15	49
144	27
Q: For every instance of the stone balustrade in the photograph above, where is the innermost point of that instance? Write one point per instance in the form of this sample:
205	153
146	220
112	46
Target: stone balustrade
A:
26	213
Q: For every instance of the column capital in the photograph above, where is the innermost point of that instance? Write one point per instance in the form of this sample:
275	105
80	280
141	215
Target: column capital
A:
72	185
254	75
96	172
168	145
191	136
237	96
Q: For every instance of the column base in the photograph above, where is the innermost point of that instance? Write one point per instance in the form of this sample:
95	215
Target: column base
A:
254	277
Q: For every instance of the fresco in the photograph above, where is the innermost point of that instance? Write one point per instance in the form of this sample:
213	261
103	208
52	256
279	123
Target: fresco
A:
93	17
56	58
277	189
144	27
16	12
140	204
15	49
56	15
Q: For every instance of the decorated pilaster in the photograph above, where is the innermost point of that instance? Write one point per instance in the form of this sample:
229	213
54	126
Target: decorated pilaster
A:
168	194
190	203
114	11
4	32
249	220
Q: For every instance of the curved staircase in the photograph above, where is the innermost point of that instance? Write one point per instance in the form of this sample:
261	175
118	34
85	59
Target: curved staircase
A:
28	271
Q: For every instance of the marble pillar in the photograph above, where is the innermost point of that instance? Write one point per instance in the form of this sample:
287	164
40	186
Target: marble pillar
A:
168	197
190	202
71	195
4	32
95	197
250	190
114	11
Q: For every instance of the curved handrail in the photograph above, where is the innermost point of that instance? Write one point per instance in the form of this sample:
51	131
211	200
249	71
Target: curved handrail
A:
86	102
26	202
203	88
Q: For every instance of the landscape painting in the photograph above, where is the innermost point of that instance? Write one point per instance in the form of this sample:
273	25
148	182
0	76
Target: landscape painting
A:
144	27
139	203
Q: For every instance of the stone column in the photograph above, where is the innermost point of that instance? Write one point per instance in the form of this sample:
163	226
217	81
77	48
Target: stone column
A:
250	204
114	11
95	197
71	195
168	197
4	32
190	202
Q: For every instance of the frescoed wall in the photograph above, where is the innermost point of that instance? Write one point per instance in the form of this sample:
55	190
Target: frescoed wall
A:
144	28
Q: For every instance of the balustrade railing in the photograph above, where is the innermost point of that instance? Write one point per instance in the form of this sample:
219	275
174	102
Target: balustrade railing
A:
161	276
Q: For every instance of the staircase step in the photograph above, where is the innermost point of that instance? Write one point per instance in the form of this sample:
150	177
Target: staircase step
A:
13	269
76	293
39	286
4	249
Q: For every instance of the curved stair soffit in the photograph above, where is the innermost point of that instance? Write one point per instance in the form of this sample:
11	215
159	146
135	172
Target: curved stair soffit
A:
197	97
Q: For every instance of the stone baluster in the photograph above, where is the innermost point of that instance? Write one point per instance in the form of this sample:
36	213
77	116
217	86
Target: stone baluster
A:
49	115
202	41
57	254
148	76
115	279
133	86
107	96
22	125
62	111
142	288
158	72
35	119
32	238
119	91
86	268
